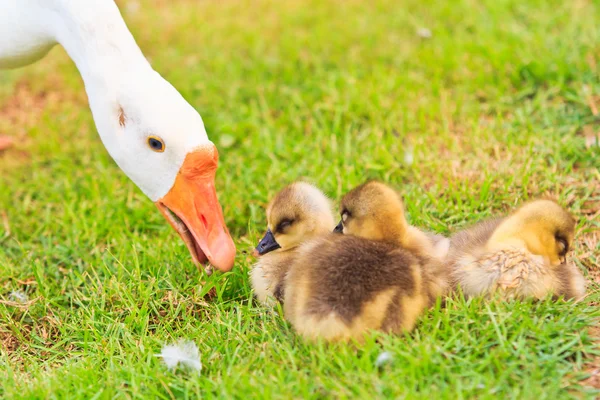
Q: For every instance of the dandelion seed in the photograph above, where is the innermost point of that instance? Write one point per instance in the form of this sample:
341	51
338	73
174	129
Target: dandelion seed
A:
184	352
409	156
18	296
384	358
226	141
424	33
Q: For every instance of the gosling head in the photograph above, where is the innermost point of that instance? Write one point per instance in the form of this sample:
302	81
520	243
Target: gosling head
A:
542	226
375	211
298	212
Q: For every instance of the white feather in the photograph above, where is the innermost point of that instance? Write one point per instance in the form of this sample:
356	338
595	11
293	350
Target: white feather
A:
384	358
18	297
184	352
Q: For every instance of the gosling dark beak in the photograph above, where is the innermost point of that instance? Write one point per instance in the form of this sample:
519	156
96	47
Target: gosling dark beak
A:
339	228
267	244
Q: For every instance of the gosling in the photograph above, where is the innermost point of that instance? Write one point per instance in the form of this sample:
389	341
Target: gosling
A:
376	276
520	256
297	213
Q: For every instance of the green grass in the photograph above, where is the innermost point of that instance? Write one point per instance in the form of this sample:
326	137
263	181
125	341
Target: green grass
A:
491	108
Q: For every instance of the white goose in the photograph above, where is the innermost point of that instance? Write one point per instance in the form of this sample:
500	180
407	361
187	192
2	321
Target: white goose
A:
150	131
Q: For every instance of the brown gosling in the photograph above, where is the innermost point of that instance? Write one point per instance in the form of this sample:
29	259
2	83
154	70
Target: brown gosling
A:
375	277
520	256
297	213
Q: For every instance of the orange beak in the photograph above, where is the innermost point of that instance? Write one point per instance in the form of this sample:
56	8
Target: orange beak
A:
192	209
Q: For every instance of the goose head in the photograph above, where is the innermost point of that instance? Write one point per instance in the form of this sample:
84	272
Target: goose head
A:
150	131
160	142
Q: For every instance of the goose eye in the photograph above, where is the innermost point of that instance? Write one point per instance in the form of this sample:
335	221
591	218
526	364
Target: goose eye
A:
156	144
345	215
284	224
563	246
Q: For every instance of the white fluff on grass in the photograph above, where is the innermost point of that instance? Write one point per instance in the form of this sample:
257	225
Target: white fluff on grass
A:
18	296
424	33
409	157
184	352
384	358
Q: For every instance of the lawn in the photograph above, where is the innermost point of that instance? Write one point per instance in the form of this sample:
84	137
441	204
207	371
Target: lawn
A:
467	107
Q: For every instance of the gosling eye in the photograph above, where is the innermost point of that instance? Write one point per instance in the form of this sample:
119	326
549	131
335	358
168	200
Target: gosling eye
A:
284	224
156	144
563	245
345	215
